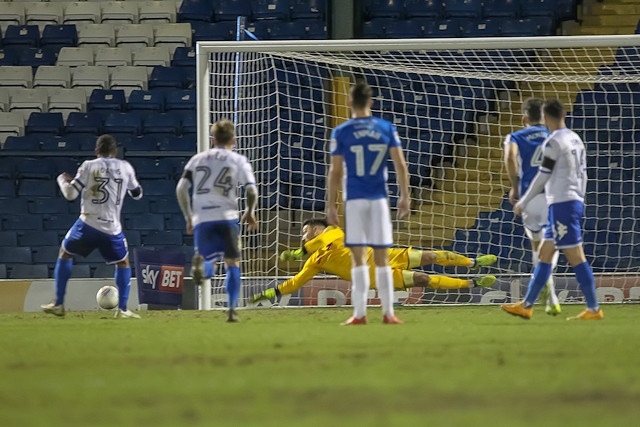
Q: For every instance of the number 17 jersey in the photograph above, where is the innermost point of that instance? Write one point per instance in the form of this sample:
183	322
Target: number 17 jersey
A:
364	144
217	173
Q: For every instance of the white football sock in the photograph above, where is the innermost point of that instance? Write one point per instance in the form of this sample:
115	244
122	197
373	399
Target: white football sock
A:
384	283
360	283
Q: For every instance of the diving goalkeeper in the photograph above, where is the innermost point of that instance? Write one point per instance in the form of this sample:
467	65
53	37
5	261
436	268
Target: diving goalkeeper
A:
326	250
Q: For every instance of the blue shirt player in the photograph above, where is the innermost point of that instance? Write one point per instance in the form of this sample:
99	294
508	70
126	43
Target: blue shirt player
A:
359	150
522	159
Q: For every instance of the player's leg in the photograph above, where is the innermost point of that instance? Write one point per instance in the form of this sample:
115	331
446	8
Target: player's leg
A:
208	247
230	234
448	258
433	281
356	215
114	250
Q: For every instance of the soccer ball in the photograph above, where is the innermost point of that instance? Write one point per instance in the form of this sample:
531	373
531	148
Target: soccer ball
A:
107	297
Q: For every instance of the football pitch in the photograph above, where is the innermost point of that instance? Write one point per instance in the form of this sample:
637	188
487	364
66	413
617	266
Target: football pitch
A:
446	366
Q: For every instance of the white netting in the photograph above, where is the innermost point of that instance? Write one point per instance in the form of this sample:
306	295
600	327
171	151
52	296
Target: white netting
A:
453	107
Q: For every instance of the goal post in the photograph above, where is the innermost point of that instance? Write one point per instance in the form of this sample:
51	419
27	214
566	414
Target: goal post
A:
453	102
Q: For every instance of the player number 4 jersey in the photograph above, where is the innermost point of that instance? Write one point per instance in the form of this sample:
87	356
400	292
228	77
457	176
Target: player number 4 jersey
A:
216	175
568	180
105	182
529	141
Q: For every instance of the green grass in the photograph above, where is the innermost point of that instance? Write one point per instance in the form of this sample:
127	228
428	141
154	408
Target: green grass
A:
445	366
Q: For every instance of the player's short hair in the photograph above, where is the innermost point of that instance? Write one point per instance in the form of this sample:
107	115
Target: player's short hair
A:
223	132
316	222
532	108
553	108
361	94
106	145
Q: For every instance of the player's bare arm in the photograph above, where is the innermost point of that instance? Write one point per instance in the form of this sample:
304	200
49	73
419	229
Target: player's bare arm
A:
511	165
537	185
249	214
182	194
334	178
402	172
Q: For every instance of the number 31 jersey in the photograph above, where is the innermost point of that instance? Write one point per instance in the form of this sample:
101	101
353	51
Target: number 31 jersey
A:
364	145
104	183
216	175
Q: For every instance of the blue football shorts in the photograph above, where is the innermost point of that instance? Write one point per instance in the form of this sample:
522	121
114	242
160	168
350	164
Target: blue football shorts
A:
82	239
217	239
564	224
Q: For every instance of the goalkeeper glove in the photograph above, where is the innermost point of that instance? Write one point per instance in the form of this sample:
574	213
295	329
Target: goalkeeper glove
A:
291	255
264	295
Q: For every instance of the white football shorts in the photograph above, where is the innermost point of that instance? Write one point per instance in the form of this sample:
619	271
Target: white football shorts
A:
536	217
368	223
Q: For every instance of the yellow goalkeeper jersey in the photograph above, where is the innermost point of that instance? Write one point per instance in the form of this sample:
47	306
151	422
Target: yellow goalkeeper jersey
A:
328	253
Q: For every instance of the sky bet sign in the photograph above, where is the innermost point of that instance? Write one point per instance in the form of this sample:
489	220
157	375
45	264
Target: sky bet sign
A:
160	275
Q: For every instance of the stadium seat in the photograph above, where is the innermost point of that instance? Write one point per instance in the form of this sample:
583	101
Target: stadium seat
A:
60	222
423	8
403	29
122	123
151	222
294	30
8	238
463	9
546	8
35	168
185	143
29	100
203	31
46	254
19	255
501	8
175	222
166	205
163	238
143	143
139	207
308	9
383	8
172	35
29	143
11	14
156	12
105	270
482	28
14	207
146	101
3	271
84	123
48	205
9	57
21	35
4	99
66	101
16	76
75	56
113	56
7	187
447	28
167	77
151	56
43	14
35	57
59	36
7	168
519	27
270	9
82	12
129	78
119	12
196	10
184	57
37	188
11	124
104	99
135	35
229	10
90	77
184	99
52	76
150	168
162	123
33	271
97	34
47	123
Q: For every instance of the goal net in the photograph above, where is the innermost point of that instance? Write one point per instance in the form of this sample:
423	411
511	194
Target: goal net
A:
453	102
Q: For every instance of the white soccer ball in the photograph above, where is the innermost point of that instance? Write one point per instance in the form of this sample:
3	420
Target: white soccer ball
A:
107	297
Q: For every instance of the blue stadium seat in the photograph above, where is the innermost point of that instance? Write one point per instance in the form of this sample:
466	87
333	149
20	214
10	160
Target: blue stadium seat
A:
68	143
270	9
9	57
196	10
447	28
47	123
186	143
85	123
175	222
462	9
34	57
45	254
294	30
37	188
122	124
15	207
133	238
308	9
229	10
7	187
60	222
139	207
34	271
482	28
59	36
566	10
162	123
184	99
8	238
28	222
149	168
167	77
7	168
526	27
404	29
158	188
423	8
143	143
105	270
21	35
36	168
146	101
102	99
188	122
184	57
217	31
165	205
152	222
384	8
316	30
501	8
48	205
163	238
545	8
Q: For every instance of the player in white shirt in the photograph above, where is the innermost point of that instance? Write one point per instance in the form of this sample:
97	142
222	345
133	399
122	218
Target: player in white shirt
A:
211	213
102	184
522	158
359	149
563	175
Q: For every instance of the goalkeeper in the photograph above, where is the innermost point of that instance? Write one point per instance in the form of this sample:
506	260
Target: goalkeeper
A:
326	250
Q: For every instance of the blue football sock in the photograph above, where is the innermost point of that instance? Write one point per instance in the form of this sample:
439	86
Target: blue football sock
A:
541	274
584	276
232	283
61	274
123	281
209	269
